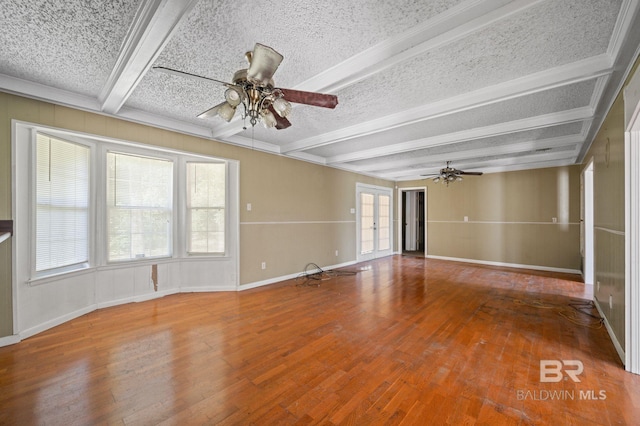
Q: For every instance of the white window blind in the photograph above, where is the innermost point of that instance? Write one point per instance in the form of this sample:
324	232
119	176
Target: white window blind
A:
62	203
206	197
139	206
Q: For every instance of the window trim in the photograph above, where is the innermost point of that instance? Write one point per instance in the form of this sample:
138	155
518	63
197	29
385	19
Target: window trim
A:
33	171
98	256
104	210
227	200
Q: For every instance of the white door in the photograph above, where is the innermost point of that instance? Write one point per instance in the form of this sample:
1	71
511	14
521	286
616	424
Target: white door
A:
373	222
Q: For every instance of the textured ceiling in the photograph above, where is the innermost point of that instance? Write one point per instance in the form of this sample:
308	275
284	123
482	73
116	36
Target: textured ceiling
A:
488	85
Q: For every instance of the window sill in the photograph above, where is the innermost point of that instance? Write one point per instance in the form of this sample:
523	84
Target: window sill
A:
4	236
123	265
44	279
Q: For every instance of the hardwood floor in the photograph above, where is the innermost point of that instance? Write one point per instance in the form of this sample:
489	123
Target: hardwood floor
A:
404	341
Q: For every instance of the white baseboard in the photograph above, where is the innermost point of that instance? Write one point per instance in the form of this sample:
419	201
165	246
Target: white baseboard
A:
55	322
208	289
507	265
612	335
134	299
256	284
9	340
155	295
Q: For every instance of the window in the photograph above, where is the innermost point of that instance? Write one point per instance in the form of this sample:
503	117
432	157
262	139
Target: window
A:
367	224
84	201
206	198
62	204
139	206
384	227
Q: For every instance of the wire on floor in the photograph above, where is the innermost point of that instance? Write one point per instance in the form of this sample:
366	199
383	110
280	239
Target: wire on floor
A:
580	314
312	275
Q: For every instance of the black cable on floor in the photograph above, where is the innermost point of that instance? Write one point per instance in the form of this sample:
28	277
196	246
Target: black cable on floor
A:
313	275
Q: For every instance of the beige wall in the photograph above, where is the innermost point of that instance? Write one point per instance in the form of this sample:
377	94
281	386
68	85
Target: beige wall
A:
510	218
300	211
607	153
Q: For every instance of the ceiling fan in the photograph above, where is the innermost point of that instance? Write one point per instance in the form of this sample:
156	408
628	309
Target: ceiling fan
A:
254	89
449	174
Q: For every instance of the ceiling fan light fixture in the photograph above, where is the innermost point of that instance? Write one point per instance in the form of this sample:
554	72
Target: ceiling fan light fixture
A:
233	96
282	107
449	175
263	62
268	119
255	90
226	111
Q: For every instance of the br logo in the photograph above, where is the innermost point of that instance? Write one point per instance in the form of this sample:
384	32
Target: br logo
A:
553	370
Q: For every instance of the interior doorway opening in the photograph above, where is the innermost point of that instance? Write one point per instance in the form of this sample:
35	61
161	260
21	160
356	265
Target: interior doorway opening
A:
412	223
588	266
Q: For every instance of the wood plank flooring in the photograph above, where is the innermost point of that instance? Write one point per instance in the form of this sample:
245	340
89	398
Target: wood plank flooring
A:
403	341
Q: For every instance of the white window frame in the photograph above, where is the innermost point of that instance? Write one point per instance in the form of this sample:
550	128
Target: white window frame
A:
182	183
376	191
33	205
98	250
108	148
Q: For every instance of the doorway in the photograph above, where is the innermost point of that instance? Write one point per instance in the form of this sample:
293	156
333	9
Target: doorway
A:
412	224
374	219
587	231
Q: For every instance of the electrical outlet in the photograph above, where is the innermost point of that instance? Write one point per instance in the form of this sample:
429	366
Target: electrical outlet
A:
264	265
554	219
598	286
336	253
248	207
611	302
466	218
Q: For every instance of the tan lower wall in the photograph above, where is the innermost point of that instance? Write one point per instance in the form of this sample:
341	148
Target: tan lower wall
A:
538	245
291	246
609	279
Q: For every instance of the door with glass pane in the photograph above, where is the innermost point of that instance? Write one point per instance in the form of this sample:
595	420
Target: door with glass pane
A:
373	222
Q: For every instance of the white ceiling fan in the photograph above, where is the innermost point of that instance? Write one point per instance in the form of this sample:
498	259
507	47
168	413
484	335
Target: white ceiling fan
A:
254	89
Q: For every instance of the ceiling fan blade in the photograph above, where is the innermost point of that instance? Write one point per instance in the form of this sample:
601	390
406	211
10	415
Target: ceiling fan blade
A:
211	112
281	122
471	173
264	63
310	98
171	71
